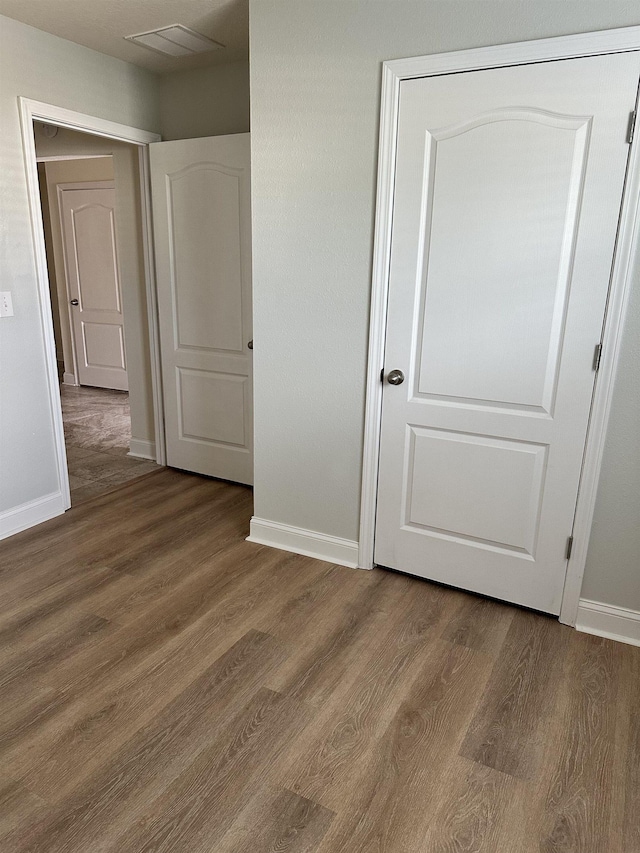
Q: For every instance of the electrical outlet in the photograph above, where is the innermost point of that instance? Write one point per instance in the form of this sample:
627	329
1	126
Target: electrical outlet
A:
6	305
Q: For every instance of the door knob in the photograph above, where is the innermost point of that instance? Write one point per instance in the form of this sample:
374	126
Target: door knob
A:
395	377
250	345
74	302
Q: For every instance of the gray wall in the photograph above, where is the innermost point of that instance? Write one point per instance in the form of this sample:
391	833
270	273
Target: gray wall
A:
51	266
613	563
205	101
315	90
43	67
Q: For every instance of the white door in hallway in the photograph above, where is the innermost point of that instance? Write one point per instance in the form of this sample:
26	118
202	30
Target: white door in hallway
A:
507	194
93	284
202	231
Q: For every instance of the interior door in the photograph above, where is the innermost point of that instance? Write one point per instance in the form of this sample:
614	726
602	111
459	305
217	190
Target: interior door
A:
508	189
202	230
93	284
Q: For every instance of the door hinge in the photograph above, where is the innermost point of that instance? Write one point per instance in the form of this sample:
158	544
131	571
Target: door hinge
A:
569	547
632	126
597	355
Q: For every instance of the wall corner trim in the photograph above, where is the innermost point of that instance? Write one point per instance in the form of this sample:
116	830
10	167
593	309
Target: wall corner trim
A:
142	449
605	620
33	512
309	543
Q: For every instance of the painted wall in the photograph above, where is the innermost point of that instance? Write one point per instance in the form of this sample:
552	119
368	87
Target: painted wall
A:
37	65
130	255
51	266
613	564
315	100
205	101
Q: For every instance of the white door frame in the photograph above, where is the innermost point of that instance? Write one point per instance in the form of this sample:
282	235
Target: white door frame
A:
61	188
31	111
544	50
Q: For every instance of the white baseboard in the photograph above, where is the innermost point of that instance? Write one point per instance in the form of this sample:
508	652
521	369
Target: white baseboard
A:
616	623
344	552
68	379
31	513
142	449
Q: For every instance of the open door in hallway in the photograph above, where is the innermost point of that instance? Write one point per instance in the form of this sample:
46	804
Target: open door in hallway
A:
202	230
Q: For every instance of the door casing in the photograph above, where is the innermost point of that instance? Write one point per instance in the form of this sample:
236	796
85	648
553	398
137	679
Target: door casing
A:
31	111
544	50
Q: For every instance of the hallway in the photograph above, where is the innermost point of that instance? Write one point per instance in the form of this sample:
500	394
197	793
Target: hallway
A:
97	430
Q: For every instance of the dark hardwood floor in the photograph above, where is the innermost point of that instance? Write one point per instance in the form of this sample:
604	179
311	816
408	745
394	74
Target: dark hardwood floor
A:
167	686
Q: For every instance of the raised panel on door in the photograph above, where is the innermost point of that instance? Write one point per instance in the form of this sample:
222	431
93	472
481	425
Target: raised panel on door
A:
102	346
95	244
93	282
510	172
508	189
481	490
207	266
211	407
201	201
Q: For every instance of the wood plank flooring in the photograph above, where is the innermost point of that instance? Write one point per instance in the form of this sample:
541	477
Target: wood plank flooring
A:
166	686
97	434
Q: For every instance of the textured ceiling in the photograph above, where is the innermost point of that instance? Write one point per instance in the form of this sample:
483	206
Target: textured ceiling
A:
102	24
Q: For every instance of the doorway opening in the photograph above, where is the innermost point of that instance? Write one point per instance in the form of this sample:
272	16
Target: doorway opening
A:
86	185
107	410
201	213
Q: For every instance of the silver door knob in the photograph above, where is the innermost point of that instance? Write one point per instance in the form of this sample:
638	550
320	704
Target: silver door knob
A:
395	377
74	302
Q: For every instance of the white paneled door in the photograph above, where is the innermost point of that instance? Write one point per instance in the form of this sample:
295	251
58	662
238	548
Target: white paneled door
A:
507	194
93	284
202	231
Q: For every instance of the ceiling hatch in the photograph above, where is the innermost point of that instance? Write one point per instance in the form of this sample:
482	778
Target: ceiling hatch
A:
175	40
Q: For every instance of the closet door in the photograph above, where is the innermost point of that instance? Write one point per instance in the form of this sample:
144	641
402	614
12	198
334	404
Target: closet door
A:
507	195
